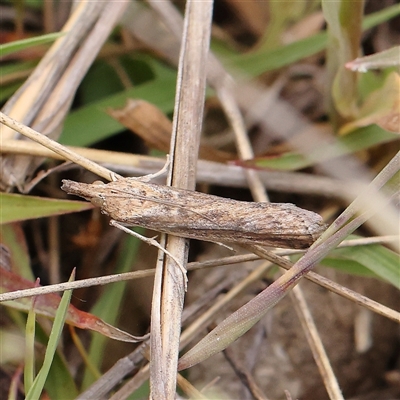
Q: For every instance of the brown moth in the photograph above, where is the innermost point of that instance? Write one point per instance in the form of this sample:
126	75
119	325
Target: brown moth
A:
196	215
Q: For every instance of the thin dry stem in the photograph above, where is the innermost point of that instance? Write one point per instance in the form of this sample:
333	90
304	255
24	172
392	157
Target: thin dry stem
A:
125	366
187	123
44	99
208	315
312	276
226	95
207	171
315	343
189	389
56	147
222	82
332	286
131	386
244	375
235	118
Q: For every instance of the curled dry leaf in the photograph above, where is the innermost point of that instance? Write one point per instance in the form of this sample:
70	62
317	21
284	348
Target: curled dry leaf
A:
153	126
47	304
382	107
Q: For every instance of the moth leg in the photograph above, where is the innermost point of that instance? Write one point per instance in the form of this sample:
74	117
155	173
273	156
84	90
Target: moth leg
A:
114	177
145	178
224	245
149	177
151	242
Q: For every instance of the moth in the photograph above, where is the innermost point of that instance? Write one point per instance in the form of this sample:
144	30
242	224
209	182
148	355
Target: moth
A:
195	215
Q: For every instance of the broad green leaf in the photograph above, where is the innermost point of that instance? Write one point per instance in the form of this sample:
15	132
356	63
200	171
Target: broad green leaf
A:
257	62
137	70
344	34
91	123
16	207
90	90
15	67
36	4
381	261
348	266
8	91
13	238
381	107
18	45
283	162
347	103
357	140
12	76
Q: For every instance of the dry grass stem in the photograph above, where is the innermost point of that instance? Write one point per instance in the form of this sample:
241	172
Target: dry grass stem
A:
244	375
189	389
269	117
45	98
315	343
209	314
130	387
56	147
222	82
207	171
283	119
282	262
187	123
331	285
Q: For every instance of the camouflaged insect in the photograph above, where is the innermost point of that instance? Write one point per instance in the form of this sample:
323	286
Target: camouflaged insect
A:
196	215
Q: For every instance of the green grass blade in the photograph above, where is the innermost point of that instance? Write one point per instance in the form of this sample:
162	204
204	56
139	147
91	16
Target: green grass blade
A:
382	262
55	334
98	125
18	45
255	63
17	207
359	139
29	368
